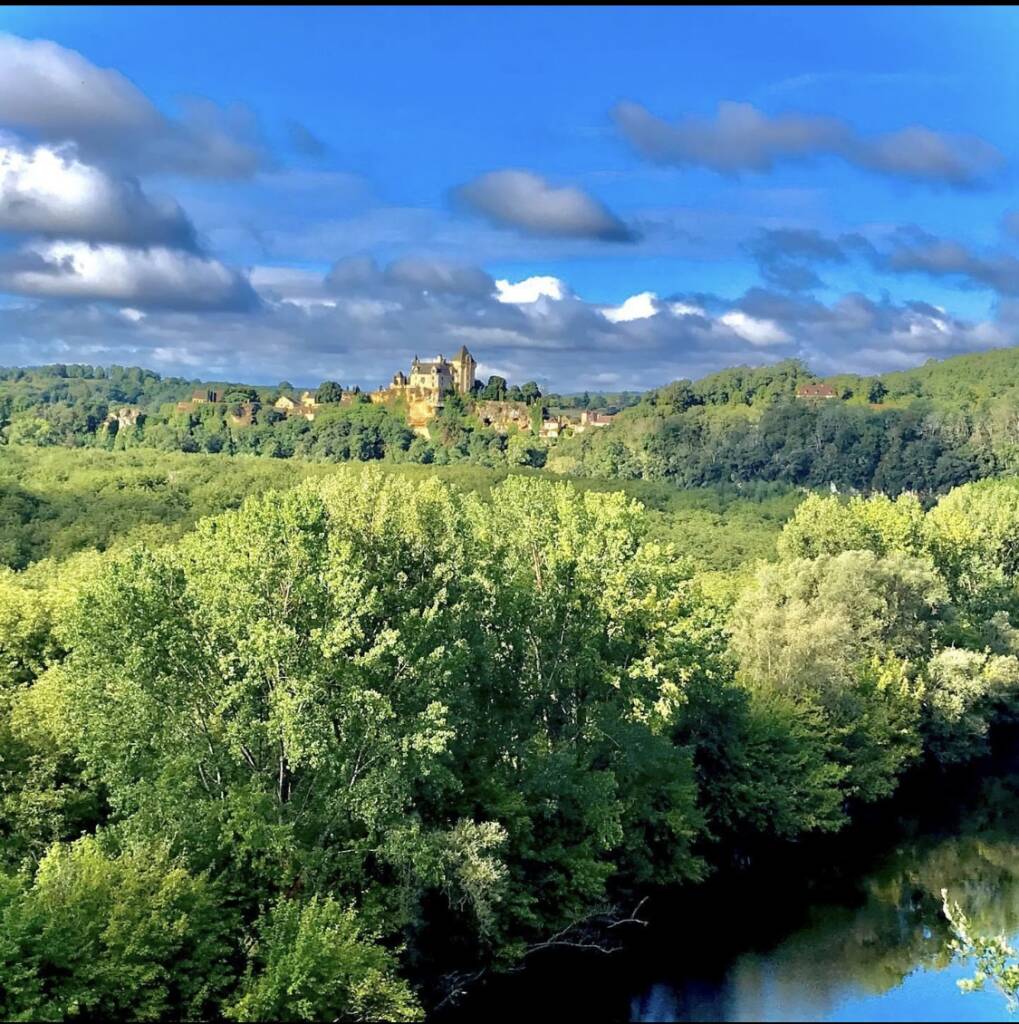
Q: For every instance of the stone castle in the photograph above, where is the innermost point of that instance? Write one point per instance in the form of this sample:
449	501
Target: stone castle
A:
429	382
435	378
422	394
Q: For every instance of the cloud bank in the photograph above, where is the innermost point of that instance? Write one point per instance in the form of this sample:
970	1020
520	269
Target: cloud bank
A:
153	278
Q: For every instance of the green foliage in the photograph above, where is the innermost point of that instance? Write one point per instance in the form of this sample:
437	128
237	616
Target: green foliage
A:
495	390
922	431
329	392
926	430
807	624
296	697
96	934
959	643
973	535
995	959
965	693
824	526
55	502
379	723
846	634
312	962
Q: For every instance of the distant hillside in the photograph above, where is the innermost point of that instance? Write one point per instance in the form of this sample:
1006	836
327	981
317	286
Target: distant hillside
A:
926	429
957	381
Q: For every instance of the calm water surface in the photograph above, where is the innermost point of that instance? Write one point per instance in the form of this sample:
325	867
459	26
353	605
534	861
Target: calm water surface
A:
847	930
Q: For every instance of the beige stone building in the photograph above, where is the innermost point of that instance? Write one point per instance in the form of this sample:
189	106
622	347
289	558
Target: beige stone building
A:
431	375
552	428
437	377
305	407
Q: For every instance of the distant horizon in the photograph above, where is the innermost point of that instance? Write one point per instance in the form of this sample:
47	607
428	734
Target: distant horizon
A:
322	191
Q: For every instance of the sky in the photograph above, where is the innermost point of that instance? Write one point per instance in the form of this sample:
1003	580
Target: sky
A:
600	199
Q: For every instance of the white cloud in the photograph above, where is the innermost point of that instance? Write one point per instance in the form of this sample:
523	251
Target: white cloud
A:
757	331
176	356
686	309
291	284
530	290
636	307
157	276
45	86
368	310
49	191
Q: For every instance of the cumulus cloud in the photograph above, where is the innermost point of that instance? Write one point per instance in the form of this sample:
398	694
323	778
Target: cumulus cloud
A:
686	309
786	258
362	335
636	307
291	284
742	138
353	272
756	330
531	289
418	276
55	94
156	277
49	191
527	202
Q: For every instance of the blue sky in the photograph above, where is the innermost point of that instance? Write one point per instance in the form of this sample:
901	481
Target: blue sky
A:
610	197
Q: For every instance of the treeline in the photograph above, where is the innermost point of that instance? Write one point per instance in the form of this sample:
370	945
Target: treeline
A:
925	430
79	406
368	733
904	432
358	432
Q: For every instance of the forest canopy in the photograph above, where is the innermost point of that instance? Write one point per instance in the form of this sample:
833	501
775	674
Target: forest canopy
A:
324	754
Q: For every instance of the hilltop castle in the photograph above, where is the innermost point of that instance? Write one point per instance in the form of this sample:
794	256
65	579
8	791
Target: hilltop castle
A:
437	377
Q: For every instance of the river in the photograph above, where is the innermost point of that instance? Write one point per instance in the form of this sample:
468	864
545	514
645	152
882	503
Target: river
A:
845	928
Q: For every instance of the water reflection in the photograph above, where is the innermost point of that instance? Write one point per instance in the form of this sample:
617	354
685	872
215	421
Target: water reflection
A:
878	952
848	928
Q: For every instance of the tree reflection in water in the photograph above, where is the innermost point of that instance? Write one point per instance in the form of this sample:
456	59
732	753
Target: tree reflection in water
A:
846	951
847	927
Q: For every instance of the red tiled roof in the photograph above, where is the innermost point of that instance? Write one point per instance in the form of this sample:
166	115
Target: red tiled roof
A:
815	391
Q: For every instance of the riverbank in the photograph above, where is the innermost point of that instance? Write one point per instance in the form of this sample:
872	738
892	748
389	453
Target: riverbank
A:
834	927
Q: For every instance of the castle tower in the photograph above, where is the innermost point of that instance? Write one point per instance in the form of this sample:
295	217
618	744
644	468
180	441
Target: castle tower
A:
463	366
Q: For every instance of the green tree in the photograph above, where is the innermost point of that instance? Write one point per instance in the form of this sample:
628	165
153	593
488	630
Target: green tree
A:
995	959
312	961
128	935
495	390
329	392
